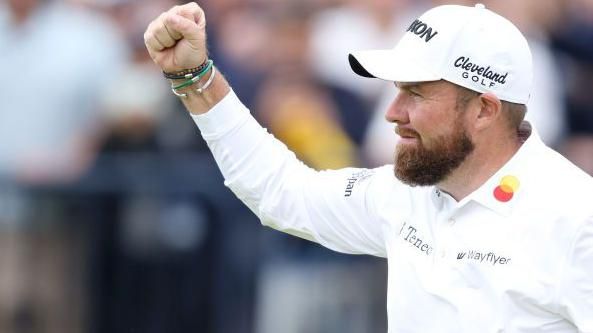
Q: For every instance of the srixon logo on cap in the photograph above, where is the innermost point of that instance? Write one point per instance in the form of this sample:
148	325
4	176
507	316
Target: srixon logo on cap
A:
422	30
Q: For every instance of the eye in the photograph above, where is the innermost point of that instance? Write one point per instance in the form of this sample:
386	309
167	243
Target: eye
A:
414	93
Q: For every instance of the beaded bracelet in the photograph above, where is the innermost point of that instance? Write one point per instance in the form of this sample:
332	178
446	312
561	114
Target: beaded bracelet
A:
187	73
202	88
196	78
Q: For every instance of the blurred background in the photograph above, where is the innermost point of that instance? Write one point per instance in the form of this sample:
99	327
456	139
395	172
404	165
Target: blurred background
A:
113	215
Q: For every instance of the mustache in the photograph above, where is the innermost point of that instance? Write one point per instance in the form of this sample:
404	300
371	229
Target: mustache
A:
406	132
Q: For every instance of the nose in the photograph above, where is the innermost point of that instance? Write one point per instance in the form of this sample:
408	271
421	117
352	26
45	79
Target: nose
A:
397	112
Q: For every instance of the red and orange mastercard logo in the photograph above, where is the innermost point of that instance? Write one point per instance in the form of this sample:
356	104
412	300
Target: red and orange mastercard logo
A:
506	189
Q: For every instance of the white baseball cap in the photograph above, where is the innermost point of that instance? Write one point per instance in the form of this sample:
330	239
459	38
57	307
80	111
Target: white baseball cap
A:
470	46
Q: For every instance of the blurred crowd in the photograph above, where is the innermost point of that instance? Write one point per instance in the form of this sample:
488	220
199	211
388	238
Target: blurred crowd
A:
113	217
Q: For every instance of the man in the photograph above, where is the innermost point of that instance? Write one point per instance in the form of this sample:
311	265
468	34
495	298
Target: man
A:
485	228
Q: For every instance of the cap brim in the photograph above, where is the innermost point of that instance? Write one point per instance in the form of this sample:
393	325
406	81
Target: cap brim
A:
389	65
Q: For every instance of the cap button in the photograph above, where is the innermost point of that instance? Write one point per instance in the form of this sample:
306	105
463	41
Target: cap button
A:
480	6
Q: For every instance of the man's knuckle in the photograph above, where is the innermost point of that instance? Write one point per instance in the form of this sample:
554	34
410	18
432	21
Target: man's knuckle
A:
169	17
150	27
159	27
173	10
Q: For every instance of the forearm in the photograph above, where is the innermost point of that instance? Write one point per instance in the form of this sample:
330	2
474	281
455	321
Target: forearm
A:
283	192
251	160
253	163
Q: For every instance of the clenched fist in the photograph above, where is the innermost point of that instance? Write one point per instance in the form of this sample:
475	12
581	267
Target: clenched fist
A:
176	40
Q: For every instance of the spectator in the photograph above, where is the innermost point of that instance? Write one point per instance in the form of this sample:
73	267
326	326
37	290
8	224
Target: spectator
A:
573	34
56	61
355	25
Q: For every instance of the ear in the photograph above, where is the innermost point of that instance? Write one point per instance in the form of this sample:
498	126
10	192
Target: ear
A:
490	111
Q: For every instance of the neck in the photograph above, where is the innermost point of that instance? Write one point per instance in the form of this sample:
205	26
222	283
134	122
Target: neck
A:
486	159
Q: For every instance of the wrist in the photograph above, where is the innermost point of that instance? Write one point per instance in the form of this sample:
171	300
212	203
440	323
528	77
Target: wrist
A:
192	79
199	103
185	74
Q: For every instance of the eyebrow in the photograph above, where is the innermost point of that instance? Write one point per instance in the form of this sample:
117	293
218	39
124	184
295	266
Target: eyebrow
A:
407	85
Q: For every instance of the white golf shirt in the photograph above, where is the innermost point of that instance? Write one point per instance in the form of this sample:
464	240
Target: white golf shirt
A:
514	256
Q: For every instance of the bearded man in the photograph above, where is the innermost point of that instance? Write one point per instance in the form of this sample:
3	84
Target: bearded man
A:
484	227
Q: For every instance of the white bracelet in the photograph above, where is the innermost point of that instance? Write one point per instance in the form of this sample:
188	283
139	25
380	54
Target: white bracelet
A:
207	84
196	79
178	94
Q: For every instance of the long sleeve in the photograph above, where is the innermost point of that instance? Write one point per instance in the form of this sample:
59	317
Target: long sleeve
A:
576	288
333	208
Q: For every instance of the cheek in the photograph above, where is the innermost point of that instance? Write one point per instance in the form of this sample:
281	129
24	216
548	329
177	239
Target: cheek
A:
424	124
433	132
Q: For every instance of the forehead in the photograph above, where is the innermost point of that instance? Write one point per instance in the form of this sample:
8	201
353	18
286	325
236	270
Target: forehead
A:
441	85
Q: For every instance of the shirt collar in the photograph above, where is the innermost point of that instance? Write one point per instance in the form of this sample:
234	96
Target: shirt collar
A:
501	191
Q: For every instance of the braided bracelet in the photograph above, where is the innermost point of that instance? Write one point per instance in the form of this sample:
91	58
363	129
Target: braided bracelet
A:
201	89
194	79
187	73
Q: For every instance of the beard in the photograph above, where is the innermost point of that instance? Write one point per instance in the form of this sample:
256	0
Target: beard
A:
417	165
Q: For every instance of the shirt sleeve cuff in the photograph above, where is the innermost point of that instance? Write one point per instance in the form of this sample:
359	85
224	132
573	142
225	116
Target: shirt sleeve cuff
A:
226	115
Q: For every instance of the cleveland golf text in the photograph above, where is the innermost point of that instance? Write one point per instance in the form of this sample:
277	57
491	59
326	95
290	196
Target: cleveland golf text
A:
484	71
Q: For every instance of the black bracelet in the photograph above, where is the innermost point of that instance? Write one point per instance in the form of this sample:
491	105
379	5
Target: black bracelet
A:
186	73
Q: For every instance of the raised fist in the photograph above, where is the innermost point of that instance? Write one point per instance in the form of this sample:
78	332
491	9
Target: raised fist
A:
176	40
